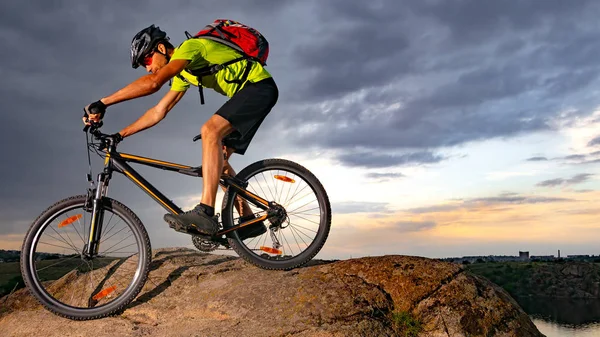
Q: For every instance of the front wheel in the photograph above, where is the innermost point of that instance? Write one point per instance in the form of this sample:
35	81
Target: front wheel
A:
296	236
66	281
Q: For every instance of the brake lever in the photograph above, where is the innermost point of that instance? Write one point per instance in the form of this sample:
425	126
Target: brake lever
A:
95	126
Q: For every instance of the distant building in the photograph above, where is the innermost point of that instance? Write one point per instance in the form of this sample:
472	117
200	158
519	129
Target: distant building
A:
523	256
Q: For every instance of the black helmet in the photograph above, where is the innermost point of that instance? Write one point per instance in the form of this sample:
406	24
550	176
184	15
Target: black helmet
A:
143	43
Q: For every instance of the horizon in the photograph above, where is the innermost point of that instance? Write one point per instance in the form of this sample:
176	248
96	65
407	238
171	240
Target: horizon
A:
455	129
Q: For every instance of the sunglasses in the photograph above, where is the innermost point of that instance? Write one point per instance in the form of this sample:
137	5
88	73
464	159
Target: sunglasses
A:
147	60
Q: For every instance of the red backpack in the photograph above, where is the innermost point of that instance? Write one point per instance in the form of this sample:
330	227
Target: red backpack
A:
246	40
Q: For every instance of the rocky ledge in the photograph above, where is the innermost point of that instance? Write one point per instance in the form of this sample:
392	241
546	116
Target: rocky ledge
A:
195	294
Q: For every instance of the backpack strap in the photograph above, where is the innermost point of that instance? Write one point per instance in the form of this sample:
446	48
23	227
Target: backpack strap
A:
213	69
242	80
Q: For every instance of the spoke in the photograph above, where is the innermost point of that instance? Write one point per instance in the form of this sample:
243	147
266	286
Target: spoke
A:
294	229
281	191
49	244
300	232
112	251
295	239
75	228
111	228
308	229
317	223
274	184
306	195
297	208
113	234
269	187
285	239
119	242
288	192
68	236
308	210
280	241
81	224
63	239
57	263
255	191
295	194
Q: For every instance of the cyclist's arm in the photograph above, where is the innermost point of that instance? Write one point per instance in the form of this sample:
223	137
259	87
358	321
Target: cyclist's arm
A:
154	114
148	84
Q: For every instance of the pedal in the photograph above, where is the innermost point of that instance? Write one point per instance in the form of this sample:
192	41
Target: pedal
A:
181	229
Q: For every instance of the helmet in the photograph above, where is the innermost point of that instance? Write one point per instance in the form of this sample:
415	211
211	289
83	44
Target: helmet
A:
143	43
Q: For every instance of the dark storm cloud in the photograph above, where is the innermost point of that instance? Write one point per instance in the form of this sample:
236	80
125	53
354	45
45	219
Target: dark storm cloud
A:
378	160
576	179
443	73
59	56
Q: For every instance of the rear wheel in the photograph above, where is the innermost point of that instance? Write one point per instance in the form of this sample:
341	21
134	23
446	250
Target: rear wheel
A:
69	283
300	230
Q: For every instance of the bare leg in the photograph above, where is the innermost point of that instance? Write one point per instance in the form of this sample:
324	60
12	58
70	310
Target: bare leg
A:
241	205
213	132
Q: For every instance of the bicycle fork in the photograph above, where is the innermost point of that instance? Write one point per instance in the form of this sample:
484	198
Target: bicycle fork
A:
95	200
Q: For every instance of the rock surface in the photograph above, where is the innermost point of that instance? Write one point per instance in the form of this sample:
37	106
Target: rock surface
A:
196	294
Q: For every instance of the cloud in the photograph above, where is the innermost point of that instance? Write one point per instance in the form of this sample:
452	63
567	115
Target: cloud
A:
412	226
350	207
446	80
58	57
379	160
537	159
517	200
594	142
551	182
490	203
385	176
576	179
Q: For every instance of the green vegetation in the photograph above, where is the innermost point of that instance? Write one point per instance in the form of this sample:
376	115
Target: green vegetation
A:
557	279
405	324
10	273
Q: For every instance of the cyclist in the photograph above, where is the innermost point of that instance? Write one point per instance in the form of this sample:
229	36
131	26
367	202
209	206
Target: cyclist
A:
252	92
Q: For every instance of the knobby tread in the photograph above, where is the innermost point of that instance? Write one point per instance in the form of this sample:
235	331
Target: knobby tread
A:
109	204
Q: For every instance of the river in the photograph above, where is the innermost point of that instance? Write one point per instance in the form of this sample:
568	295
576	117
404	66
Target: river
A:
564	317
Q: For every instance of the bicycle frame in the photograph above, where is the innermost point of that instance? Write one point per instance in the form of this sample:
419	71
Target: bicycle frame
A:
118	162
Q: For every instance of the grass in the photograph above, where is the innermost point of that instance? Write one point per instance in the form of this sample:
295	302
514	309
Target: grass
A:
10	272
405	324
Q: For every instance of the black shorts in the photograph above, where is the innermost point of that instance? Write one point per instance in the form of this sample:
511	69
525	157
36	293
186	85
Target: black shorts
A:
246	110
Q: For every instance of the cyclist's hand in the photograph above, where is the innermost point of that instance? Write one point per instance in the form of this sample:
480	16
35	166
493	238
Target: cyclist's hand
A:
93	112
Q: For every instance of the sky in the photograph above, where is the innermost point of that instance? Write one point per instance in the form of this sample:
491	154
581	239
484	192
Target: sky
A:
438	128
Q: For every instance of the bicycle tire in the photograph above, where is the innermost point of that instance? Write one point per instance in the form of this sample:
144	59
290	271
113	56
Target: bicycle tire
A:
325	215
29	272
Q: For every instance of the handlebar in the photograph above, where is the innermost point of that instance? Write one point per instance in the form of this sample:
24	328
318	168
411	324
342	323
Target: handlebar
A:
105	139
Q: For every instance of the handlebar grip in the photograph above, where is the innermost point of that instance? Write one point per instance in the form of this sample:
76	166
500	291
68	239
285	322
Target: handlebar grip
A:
94	125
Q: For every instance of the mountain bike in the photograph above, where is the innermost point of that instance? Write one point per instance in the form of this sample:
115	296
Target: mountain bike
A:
88	256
